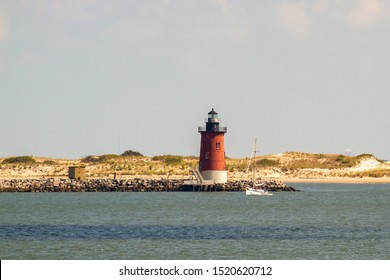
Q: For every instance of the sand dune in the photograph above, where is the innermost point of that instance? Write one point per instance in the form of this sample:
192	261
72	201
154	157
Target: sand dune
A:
287	167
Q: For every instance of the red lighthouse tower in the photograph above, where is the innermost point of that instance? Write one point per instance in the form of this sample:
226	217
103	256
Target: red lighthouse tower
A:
212	163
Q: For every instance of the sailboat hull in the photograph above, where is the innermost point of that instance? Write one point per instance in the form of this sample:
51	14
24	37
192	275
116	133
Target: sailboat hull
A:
252	191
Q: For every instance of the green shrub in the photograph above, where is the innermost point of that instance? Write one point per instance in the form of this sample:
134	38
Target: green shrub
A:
229	167
267	162
169	159
101	158
107	157
22	159
131	153
301	164
343	159
346	161
364	156
90	159
240	165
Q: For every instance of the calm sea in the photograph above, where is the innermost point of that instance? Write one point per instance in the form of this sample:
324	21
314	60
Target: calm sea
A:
324	221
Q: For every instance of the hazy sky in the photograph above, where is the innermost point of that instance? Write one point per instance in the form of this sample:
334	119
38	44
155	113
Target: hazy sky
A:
93	77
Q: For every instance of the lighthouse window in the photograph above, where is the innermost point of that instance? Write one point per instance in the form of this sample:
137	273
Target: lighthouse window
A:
207	155
218	146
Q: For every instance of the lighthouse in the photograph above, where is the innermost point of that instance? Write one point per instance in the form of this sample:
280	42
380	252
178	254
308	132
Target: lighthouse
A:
212	164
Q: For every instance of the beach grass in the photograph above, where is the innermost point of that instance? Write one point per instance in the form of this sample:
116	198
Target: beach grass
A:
285	165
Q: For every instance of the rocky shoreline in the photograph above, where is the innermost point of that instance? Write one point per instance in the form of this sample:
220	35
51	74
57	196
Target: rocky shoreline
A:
127	185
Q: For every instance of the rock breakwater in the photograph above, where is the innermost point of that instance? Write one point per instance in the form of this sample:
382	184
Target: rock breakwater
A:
128	185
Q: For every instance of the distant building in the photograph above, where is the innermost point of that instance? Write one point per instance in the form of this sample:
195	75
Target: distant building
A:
76	172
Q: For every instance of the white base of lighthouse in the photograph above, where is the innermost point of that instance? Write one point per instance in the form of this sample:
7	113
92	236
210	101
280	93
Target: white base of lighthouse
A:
217	176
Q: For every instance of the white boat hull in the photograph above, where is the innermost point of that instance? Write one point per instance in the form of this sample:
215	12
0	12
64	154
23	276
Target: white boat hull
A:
251	191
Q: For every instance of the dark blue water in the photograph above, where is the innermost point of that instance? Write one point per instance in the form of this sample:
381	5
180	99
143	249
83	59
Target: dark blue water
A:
325	221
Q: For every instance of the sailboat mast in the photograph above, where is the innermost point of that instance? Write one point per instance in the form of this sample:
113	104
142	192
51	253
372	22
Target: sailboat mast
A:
254	164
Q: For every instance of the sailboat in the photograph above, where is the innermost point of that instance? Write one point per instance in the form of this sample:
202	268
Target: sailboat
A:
256	189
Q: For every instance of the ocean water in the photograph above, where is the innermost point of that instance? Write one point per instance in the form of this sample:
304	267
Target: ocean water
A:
324	221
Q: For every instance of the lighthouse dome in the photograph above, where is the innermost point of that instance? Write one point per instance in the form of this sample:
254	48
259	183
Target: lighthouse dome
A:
213	112
213	116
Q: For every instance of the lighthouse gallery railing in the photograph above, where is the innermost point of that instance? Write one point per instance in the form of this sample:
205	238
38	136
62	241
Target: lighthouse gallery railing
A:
218	129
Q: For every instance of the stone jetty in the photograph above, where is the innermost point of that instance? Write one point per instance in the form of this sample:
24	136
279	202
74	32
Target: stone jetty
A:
127	185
